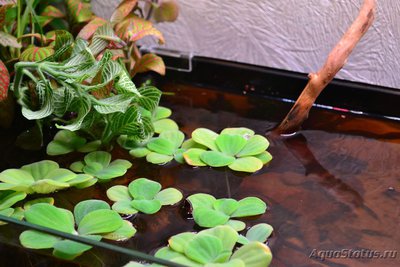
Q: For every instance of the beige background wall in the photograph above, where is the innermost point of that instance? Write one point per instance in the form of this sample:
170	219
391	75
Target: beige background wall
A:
287	34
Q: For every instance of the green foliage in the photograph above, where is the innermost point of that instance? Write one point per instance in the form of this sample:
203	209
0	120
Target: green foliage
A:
213	248
238	148
259	232
66	141
162	149
41	177
98	165
210	212
94	220
66	92
7	200
142	195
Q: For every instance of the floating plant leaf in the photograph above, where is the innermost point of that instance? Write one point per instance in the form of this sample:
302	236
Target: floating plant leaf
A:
214	248
205	137
99	165
8	199
259	232
95	220
216	159
237	148
254	254
247	164
210	212
66	141
162	149
192	157
40	177
142	195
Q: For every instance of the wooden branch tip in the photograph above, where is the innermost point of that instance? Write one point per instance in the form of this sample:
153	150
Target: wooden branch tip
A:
336	59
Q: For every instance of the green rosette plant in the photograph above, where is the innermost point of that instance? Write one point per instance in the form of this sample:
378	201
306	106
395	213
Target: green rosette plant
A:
98	164
94	220
213	248
209	212
66	141
162	149
237	148
41	177
142	195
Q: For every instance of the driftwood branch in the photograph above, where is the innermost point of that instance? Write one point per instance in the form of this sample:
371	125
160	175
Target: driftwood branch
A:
335	61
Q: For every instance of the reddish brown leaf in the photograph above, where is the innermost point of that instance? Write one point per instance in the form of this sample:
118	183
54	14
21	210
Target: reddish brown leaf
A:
4	81
168	10
133	28
3	11
79	11
89	29
123	10
149	62
35	53
52	12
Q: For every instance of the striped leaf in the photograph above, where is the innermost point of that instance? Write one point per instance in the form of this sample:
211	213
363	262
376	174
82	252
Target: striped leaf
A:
4	81
123	10
89	29
62	99
102	38
63	45
8	40
79	11
149	62
150	97
117	103
126	123
35	53
84	108
134	28
44	93
125	85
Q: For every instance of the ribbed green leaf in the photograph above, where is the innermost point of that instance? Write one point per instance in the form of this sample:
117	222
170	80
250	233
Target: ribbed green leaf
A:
150	97
124	84
84	108
45	95
62	99
99	221
117	103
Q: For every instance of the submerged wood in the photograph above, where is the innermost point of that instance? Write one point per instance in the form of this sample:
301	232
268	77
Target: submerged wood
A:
335	61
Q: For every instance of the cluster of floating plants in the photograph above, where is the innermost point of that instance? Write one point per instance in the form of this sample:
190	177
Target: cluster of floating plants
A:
41	177
237	148
210	212
240	149
213	248
94	220
142	195
98	164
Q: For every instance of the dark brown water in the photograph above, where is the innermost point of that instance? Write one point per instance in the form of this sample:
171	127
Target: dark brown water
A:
333	186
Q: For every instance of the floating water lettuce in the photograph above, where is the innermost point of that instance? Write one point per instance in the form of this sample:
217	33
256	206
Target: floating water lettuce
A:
41	177
7	200
162	149
161	121
142	195
94	219
213	248
66	141
238	148
98	164
210	212
259	232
